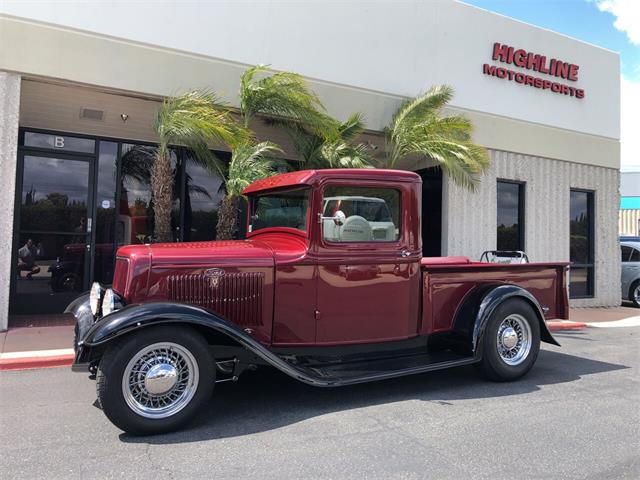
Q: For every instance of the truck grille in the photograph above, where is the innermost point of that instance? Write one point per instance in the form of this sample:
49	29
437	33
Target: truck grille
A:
235	296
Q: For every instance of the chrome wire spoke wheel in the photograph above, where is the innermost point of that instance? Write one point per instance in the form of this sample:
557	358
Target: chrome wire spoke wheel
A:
160	380
514	339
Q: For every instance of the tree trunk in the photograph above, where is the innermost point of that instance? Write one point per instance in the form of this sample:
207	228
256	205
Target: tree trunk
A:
227	218
161	189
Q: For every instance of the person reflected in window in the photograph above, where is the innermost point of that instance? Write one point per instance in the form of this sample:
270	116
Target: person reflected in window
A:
27	259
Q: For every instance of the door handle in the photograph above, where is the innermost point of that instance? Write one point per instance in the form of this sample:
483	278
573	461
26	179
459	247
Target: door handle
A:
404	253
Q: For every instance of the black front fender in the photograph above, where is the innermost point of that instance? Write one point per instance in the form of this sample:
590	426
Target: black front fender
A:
135	317
477	308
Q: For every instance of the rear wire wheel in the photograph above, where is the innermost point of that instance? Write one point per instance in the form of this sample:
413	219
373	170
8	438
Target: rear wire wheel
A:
511	341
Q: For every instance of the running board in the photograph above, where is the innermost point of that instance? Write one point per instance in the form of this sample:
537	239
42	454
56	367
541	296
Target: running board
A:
341	374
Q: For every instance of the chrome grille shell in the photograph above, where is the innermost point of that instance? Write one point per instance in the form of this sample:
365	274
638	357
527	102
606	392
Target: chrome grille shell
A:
237	297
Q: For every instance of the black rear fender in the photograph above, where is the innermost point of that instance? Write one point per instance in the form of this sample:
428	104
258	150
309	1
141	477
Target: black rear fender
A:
477	307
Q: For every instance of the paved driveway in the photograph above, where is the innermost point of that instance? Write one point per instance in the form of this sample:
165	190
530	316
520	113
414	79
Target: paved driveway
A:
576	415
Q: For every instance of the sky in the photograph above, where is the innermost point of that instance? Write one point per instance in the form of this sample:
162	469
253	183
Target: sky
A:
612	24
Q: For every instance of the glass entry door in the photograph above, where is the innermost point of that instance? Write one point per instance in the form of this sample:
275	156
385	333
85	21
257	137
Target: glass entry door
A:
53	243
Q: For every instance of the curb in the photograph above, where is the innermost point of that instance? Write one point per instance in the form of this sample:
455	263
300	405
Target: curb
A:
565	325
36	359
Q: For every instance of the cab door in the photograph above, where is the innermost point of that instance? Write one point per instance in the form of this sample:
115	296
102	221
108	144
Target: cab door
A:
368	269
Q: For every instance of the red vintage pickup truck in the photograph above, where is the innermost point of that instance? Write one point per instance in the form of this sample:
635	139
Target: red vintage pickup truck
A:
330	287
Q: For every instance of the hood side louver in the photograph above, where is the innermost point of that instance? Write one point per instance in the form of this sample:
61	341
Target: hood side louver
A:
237	297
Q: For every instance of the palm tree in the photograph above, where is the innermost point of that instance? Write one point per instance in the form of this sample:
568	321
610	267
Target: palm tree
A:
195	120
419	129
249	162
334	149
283	97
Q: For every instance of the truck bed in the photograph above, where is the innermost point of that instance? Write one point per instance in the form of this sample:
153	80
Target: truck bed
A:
446	281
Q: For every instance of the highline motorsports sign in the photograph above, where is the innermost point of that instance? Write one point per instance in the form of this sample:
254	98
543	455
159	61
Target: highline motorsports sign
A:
557	69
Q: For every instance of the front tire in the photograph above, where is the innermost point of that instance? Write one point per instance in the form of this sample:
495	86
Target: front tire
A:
155	379
511	341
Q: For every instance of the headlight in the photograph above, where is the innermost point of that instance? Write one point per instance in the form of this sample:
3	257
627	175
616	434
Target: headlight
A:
108	302
94	297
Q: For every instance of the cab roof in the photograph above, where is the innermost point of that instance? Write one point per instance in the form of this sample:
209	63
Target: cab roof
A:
311	177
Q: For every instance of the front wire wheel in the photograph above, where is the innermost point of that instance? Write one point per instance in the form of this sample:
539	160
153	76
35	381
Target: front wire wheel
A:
155	379
160	380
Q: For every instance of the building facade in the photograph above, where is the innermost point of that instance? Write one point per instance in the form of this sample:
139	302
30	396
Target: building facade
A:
80	85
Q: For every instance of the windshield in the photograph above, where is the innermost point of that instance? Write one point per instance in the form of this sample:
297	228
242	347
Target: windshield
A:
280	209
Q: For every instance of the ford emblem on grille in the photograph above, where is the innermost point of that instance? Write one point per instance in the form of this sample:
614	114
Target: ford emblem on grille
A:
214	275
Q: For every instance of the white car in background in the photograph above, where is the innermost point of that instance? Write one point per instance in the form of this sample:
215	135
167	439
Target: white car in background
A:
630	250
367	219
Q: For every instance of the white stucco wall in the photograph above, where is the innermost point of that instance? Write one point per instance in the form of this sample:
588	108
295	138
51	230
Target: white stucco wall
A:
9	112
400	48
469	219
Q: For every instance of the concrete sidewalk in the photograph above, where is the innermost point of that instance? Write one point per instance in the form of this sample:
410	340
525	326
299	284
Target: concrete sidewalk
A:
51	346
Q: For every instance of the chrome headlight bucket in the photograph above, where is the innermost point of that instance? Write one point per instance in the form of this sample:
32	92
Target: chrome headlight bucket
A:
110	302
95	296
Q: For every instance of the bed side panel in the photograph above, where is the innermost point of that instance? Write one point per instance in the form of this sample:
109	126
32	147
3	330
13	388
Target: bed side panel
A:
444	288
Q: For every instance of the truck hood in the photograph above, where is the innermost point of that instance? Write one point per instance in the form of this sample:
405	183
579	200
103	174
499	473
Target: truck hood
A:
237	253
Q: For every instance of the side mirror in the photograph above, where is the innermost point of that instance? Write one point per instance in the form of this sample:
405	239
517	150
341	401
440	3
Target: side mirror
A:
338	218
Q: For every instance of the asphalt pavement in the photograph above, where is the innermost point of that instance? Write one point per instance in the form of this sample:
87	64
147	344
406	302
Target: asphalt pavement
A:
576	415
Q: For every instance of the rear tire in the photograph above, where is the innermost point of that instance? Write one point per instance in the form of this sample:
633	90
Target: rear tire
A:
155	379
511	341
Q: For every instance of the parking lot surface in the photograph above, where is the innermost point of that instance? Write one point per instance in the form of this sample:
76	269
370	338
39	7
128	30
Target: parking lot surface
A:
576	415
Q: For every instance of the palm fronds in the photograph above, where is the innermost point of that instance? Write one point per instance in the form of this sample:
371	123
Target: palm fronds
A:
249	162
197	120
418	128
284	96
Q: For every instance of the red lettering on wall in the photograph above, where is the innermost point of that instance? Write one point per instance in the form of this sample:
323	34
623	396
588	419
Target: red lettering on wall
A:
573	72
562	69
519	58
532	61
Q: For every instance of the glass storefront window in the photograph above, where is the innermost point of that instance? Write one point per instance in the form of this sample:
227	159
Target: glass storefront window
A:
203	193
54	195
78	205
105	248
510	215
581	248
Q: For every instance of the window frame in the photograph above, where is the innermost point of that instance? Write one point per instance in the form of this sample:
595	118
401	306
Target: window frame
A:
521	211
590	265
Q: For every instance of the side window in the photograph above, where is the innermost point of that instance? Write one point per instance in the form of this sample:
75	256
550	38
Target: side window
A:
635	255
626	253
370	214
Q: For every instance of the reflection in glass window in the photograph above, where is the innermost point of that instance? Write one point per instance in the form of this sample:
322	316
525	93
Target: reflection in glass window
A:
510	213
581	244
203	193
135	216
280	209
105	247
54	195
370	214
